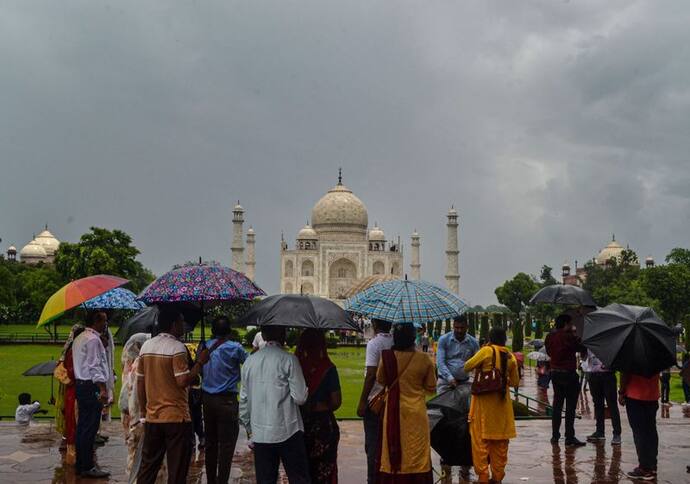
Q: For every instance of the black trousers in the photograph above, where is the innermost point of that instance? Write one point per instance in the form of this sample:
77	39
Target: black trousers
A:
566	388
371	443
87	424
172	441
665	387
642	419
292	453
222	428
604	389
196	413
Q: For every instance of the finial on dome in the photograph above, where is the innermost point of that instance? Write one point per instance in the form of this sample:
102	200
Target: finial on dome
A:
613	237
46	226
340	176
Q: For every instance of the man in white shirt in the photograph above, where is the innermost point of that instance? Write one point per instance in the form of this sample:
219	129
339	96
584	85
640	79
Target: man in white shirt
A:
272	390
382	341
91	373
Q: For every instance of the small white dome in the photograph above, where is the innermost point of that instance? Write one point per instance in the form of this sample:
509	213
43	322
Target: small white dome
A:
307	233
48	241
612	251
33	252
251	231
377	234
11	249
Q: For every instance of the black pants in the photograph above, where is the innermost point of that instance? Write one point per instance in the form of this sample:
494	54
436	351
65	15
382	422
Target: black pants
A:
222	429
172	441
566	388
292	453
642	418
196	413
665	387
87	424
371	443
603	387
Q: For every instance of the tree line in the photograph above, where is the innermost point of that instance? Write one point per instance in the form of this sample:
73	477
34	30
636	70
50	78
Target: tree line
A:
664	287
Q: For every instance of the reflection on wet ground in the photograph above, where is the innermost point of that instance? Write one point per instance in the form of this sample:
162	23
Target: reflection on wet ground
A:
32	454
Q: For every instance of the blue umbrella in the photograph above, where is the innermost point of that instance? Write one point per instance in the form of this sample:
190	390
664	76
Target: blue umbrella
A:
416	302
118	298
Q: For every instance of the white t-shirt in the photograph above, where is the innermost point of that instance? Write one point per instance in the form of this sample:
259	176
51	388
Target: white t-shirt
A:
375	346
258	342
25	413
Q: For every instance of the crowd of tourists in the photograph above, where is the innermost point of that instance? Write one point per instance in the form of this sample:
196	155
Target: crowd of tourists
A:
286	402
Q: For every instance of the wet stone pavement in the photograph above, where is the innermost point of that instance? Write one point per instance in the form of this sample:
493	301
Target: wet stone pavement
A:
32	454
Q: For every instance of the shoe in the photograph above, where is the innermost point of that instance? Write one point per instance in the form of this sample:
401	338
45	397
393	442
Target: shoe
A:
616	440
641	475
574	442
554	440
595	437
94	473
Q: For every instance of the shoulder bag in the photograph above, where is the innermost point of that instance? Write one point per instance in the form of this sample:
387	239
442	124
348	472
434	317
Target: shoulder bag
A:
378	402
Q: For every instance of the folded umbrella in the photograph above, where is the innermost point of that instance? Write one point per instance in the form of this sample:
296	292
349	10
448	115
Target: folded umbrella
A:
563	294
630	339
416	302
298	311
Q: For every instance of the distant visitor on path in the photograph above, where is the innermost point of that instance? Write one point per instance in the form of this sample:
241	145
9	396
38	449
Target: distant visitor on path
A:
409	376
640	395
220	386
91	372
272	390
454	349
163	376
603	385
321	431
562	345
491	418
381	341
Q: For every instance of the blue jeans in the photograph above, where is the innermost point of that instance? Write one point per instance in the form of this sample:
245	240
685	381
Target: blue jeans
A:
87	424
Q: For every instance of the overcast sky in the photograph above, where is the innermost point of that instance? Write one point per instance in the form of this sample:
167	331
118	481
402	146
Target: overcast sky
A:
549	125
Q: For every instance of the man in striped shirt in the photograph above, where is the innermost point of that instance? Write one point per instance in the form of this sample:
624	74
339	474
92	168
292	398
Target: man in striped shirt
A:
163	376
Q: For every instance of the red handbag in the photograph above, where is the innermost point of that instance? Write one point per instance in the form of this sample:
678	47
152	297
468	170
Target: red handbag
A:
490	381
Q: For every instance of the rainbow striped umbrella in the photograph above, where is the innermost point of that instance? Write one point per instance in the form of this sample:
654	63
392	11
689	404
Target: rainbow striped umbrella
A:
75	293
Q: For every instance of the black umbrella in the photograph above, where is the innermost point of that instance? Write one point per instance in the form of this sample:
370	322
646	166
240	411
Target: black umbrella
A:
450	436
298	311
44	369
563	294
535	343
146	320
630	338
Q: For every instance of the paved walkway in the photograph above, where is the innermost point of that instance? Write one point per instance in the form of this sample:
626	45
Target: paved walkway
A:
32	455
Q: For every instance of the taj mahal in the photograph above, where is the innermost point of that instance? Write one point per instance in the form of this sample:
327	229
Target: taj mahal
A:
337	248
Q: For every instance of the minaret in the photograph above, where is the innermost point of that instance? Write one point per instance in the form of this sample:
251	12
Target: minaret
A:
415	266
250	264
452	270
237	242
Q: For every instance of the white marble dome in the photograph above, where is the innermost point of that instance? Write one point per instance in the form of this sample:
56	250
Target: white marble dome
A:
307	233
612	251
339	208
48	241
376	234
33	252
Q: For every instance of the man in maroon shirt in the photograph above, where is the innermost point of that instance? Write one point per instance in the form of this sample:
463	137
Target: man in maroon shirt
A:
562	346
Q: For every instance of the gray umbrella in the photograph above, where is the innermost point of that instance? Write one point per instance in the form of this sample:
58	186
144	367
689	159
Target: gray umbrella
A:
630	339
298	311
563	294
42	369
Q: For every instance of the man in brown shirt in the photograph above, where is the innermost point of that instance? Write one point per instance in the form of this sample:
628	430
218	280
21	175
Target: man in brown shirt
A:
163	376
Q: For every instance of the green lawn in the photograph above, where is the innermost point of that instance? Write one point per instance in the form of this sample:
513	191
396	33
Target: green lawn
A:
14	360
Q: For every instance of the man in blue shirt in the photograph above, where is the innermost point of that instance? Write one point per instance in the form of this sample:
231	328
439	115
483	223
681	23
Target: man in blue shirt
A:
454	349
221	376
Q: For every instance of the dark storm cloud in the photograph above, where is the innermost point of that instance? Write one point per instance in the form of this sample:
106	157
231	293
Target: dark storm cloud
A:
548	124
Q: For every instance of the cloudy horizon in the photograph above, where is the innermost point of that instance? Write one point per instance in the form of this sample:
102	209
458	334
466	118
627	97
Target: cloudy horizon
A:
548	125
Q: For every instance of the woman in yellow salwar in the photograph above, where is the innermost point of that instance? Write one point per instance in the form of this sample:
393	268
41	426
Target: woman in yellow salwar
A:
491	417
408	375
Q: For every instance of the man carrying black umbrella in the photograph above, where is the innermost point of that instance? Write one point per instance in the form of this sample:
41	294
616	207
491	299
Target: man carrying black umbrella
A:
562	346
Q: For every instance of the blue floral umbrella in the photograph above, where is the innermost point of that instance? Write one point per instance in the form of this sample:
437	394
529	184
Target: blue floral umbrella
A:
415	302
118	298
